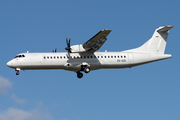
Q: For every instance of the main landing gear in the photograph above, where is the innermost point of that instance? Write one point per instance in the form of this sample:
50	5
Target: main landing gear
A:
86	69
79	74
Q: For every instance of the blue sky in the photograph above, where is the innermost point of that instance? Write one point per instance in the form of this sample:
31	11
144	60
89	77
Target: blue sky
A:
148	92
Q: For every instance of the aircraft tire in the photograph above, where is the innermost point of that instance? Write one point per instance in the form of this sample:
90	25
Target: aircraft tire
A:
79	75
87	70
17	73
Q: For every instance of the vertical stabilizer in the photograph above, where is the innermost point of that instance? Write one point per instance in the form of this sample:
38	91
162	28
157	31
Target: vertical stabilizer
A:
157	43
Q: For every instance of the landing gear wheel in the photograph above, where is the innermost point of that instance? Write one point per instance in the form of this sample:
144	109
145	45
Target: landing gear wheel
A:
17	73
86	69
79	75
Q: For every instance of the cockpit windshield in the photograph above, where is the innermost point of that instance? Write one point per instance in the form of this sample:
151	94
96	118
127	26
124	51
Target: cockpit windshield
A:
19	56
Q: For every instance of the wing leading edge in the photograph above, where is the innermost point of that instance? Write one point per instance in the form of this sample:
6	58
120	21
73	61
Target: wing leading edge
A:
96	41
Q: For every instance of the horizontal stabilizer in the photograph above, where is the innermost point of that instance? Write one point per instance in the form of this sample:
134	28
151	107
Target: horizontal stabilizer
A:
164	29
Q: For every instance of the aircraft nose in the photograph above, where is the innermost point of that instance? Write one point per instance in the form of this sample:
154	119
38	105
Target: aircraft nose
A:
9	64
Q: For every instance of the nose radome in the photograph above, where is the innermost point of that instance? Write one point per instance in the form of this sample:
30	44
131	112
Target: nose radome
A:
9	64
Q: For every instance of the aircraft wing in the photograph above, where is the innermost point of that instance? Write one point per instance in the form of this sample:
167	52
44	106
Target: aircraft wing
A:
96	41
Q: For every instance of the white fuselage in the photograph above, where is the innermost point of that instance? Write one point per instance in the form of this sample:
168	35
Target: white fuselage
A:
74	61
84	57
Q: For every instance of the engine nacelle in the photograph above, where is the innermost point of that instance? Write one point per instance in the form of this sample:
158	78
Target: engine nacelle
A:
77	48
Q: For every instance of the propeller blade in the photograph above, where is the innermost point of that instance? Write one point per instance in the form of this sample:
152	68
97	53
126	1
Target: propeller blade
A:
68	48
56	50
67	41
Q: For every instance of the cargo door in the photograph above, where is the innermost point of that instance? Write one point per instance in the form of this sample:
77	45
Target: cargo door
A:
131	58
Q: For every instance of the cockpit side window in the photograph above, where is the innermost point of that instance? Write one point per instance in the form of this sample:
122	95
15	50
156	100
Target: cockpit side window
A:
16	56
19	56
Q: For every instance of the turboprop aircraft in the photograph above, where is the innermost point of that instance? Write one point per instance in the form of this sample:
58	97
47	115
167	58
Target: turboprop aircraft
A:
84	58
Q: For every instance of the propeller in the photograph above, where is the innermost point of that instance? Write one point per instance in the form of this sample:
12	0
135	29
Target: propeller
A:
68	48
54	50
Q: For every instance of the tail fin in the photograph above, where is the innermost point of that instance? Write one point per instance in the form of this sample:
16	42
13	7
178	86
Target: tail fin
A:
157	43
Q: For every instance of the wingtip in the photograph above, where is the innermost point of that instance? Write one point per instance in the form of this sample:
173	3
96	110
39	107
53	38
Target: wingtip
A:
106	30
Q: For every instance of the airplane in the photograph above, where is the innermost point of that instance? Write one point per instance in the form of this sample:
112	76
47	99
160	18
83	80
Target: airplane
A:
84	58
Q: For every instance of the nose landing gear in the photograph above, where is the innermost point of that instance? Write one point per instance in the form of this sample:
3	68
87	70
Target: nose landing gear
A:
17	71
